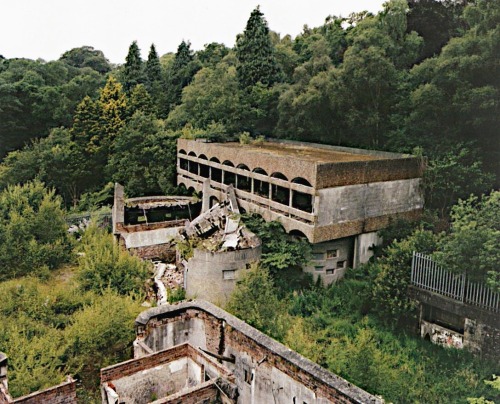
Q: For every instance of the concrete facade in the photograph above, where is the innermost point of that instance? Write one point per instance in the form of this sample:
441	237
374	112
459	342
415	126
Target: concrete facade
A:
251	367
320	192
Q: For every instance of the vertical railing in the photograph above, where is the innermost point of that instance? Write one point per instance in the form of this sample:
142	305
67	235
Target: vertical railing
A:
427	274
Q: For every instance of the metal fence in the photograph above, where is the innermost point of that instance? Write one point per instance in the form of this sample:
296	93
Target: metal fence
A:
427	274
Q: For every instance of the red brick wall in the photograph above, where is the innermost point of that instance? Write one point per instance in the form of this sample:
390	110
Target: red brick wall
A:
64	393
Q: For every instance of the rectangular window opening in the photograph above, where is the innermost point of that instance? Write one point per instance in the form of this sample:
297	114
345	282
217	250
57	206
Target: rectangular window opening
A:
332	254
229	274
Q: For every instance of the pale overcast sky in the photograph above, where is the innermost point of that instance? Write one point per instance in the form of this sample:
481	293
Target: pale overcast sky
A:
47	28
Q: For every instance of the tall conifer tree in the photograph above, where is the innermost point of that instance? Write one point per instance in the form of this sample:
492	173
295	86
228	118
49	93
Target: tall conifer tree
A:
255	52
179	75
153	67
133	69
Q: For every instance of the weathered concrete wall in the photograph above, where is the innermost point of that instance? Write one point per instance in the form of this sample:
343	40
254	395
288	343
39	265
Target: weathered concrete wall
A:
264	369
331	259
353	202
481	333
212	276
151	237
441	335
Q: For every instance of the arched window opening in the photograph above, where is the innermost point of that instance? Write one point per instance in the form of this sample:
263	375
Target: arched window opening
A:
203	157
301	181
191	153
215	160
280	176
182	151
243	167
302	201
297	234
259	170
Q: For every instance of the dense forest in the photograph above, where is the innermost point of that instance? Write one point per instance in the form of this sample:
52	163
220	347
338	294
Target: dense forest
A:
421	77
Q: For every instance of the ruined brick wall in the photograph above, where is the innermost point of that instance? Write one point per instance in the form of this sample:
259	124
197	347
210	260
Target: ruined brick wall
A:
64	393
263	368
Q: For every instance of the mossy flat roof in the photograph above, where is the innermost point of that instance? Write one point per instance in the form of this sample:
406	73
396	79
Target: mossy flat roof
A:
311	152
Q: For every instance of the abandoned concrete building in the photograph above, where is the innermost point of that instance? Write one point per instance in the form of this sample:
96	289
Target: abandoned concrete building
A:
336	197
195	352
453	311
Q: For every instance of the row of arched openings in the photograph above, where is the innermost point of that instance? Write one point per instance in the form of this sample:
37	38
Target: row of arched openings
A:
277	193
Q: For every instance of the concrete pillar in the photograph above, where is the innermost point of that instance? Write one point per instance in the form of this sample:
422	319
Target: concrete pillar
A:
206	195
362	247
118	213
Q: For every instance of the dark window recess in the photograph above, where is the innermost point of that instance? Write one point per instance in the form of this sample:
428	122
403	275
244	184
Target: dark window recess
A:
330	271
280	194
229	178
243	183
340	264
248	375
204	171
302	201
216	174
162	214
261	188
183	163
193	167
